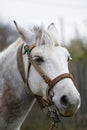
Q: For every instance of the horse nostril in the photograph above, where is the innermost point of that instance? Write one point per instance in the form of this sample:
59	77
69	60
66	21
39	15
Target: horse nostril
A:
64	100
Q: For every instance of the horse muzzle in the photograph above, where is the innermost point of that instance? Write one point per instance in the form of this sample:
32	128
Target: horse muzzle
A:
68	108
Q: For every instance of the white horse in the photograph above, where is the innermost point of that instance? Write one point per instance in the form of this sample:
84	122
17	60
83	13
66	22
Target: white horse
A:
53	59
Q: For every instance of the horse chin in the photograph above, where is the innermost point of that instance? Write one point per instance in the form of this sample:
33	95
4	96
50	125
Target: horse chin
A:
66	113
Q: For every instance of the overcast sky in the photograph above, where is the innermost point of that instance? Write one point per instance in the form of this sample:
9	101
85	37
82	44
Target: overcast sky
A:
30	12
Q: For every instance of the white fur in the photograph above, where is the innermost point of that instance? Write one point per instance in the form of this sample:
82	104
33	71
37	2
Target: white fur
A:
12	89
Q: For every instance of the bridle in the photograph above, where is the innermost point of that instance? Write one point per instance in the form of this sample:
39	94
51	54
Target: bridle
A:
50	82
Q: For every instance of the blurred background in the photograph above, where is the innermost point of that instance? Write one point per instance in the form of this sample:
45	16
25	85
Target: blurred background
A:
70	17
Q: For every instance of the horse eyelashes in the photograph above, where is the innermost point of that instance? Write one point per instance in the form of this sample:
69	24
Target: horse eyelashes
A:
69	58
39	60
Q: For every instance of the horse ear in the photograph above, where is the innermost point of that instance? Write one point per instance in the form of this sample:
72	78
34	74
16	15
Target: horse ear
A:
54	32
52	27
27	35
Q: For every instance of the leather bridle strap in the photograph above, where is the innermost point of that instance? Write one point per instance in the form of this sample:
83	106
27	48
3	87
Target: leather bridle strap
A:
39	70
47	80
56	80
60	77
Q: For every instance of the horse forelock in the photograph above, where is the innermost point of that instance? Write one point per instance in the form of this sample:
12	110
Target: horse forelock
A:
44	37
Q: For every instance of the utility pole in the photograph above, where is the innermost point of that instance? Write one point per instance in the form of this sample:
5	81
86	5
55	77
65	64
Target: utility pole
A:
61	22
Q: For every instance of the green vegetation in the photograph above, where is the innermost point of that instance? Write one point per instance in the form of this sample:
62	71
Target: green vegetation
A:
78	50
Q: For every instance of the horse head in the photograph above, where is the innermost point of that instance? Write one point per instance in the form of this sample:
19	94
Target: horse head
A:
53	60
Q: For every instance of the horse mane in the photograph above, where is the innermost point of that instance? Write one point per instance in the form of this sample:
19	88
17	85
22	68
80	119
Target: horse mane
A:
12	46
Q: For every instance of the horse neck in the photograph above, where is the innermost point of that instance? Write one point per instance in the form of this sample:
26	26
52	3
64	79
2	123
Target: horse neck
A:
8	64
11	49
11	83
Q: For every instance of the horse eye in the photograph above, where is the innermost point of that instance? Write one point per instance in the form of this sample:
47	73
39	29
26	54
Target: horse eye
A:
39	60
69	58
